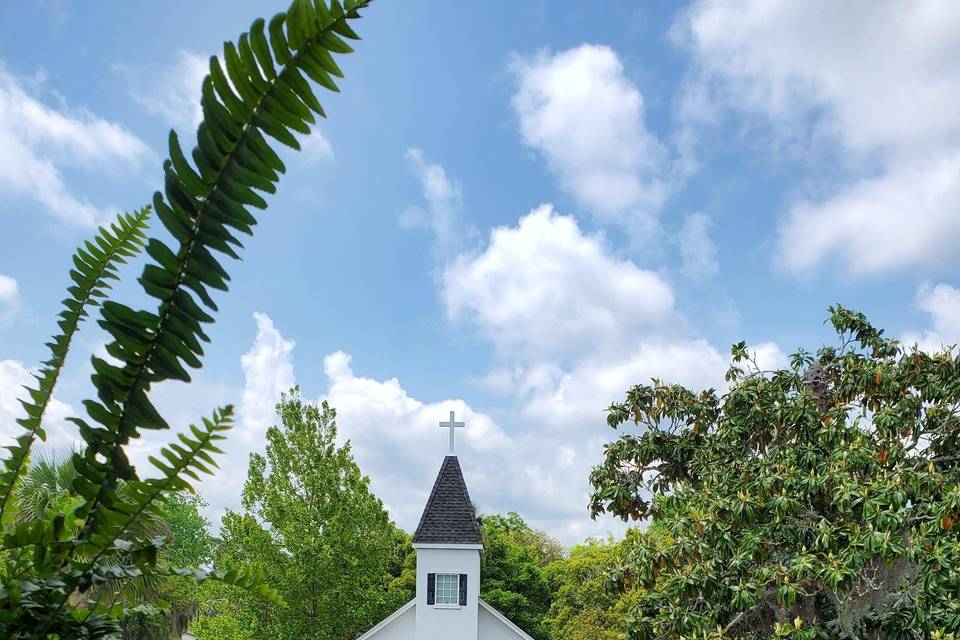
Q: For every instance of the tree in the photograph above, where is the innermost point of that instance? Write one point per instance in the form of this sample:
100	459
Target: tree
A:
821	500
52	568
157	608
584	606
167	609
513	578
312	526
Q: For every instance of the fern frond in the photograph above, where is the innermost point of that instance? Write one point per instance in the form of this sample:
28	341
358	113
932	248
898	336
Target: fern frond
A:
191	456
95	264
258	90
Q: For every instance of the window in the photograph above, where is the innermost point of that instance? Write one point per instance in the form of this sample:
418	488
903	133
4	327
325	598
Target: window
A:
448	588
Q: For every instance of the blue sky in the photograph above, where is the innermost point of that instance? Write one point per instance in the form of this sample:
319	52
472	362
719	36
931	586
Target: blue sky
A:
515	210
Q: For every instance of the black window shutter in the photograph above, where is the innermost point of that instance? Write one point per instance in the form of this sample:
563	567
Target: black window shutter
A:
463	589
431	587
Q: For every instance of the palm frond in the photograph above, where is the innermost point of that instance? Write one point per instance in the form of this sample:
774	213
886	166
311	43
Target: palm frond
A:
46	483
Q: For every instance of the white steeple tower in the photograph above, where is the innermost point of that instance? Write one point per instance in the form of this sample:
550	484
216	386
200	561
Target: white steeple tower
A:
448	545
447	605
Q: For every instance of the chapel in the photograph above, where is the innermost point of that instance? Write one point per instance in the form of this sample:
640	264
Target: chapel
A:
447	604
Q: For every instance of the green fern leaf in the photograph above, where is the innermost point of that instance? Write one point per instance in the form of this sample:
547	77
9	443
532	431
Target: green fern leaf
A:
96	263
256	92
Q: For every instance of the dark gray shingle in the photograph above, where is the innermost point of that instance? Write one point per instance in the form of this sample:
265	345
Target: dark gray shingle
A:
448	517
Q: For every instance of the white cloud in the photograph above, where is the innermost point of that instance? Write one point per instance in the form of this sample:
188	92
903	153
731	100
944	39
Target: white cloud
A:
9	299
397	441
36	140
544	289
172	93
877	82
768	356
316	147
268	372
574	328
698	253
444	210
942	302
905	217
576	398
563	418
14	376
581	111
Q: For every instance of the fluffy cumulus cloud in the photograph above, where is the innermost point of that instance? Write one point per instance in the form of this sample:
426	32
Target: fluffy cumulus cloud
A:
942	303
583	113
9	299
768	356
876	83
268	372
575	398
37	141
574	327
397	441
546	289
538	472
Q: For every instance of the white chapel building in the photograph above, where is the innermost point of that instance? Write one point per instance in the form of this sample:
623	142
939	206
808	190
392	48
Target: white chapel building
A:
447	605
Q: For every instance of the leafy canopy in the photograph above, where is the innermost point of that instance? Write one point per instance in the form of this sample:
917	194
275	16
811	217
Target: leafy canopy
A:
312	526
52	567
584	606
821	500
513	577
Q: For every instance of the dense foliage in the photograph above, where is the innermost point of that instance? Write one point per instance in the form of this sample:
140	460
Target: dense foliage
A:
312	526
817	501
156	607
54	569
166	610
512	571
584	603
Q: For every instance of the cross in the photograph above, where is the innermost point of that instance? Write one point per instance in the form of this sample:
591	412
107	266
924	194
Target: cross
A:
451	425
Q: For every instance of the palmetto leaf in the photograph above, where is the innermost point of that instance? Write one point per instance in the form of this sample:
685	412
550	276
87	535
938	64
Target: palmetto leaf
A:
95	264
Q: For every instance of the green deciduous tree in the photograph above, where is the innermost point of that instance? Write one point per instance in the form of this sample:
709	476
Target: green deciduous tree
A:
166	611
817	501
513	577
54	568
585	604
313	527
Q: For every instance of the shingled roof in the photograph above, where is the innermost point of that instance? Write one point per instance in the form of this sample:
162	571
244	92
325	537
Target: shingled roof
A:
448	517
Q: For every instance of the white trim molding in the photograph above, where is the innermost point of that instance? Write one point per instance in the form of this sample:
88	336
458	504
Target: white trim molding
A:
502	618
393	616
433	545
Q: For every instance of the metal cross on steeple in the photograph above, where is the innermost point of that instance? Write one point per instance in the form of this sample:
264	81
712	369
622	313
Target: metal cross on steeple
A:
452	424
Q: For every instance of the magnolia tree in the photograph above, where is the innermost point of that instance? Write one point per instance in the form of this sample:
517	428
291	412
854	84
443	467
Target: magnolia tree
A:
817	501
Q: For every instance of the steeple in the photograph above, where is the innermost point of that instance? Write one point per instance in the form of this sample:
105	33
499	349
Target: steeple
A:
448	545
448	517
